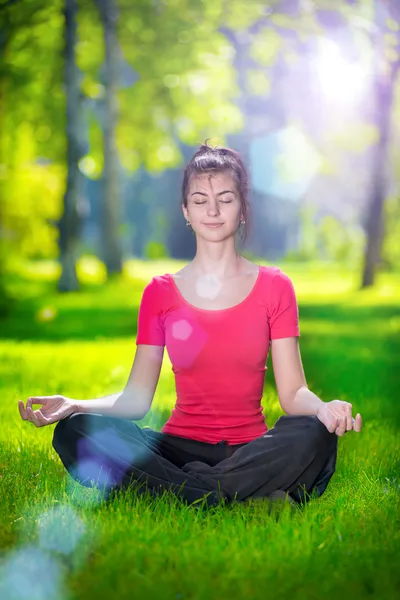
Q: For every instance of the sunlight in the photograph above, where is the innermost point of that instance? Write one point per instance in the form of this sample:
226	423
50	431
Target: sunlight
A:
340	80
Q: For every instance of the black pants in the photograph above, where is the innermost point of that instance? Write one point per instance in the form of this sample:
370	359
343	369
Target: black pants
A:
297	455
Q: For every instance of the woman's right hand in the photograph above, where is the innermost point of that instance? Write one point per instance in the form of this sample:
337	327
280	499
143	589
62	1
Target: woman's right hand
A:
54	408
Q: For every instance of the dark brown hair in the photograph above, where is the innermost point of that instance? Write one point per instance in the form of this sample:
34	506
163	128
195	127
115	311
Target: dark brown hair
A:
208	160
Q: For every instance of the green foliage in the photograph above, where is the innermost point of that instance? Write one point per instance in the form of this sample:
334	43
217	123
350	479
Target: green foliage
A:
32	76
93	162
328	239
391	243
32	199
185	92
340	242
241	15
258	82
265	46
356	137
179	85
33	141
307	249
155	250
90	49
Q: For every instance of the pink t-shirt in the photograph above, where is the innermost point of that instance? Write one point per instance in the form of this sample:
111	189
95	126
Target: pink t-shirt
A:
218	357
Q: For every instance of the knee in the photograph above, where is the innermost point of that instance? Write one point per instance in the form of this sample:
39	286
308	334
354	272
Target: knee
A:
67	428
317	435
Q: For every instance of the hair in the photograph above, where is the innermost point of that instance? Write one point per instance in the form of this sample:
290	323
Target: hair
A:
218	160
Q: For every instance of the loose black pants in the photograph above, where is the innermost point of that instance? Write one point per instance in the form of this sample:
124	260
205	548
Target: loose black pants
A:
297	455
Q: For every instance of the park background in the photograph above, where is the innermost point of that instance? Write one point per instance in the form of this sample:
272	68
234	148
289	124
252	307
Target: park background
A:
102	103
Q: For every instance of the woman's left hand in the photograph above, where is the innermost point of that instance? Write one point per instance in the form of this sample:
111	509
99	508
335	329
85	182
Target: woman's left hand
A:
337	418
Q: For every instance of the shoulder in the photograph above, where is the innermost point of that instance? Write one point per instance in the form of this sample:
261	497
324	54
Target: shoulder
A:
156	289
158	282
278	287
274	275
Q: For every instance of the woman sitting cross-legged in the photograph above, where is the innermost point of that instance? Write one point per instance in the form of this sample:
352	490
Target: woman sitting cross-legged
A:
218	317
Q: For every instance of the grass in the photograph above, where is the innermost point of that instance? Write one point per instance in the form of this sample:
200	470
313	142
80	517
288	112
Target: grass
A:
61	542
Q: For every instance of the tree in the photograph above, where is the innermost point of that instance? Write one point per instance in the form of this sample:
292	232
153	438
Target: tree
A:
29	117
386	71
111	201
383	31
149	83
69	223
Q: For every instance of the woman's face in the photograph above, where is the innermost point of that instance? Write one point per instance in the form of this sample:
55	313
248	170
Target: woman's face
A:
213	198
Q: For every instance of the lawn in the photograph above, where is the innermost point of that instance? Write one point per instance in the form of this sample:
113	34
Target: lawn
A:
59	541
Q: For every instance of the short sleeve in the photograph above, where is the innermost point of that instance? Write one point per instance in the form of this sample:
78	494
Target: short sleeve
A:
150	329
283	310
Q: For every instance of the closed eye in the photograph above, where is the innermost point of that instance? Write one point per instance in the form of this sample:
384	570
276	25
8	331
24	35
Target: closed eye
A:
225	201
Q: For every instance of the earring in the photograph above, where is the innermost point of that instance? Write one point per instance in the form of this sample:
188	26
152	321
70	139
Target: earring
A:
188	224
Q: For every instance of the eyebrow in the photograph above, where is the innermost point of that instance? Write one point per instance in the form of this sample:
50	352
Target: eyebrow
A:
219	194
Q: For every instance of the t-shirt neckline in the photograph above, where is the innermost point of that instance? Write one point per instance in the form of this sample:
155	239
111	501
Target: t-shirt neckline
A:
218	310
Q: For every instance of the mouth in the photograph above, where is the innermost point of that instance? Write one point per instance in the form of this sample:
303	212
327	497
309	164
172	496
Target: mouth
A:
213	224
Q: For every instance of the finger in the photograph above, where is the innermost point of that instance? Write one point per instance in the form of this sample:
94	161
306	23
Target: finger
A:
22	410
30	415
36	400
41	419
358	423
349	417
353	423
333	425
34	417
29	403
341	428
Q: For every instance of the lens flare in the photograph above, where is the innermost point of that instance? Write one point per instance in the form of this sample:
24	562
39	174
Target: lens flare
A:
29	573
340	80
60	529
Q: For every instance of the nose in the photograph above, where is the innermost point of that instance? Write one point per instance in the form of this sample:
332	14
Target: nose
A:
213	208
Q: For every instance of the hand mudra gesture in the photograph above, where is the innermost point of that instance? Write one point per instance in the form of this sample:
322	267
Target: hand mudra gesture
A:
337	418
53	409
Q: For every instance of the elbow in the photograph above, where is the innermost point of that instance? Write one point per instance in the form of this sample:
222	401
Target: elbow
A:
287	402
132	407
286	408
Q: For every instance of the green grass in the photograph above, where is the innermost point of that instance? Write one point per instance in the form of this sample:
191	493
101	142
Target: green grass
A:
344	544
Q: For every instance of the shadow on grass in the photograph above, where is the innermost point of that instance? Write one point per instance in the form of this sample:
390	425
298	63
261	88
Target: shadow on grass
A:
111	311
342	313
94	312
84	324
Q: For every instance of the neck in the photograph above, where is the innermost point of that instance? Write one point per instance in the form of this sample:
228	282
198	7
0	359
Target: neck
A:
221	268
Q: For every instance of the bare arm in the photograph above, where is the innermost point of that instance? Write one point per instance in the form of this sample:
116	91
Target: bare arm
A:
294	396
134	402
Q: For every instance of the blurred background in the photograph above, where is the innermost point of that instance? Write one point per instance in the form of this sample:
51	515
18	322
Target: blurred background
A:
103	102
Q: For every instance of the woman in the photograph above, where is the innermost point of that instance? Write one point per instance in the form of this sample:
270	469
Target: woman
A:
218	318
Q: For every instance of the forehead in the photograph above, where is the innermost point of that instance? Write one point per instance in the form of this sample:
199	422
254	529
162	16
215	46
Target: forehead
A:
215	181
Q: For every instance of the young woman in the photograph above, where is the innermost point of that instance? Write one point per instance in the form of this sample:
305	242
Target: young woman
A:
218	317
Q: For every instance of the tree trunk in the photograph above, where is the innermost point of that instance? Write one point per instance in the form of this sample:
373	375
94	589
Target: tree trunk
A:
384	90
110	247
70	223
374	220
